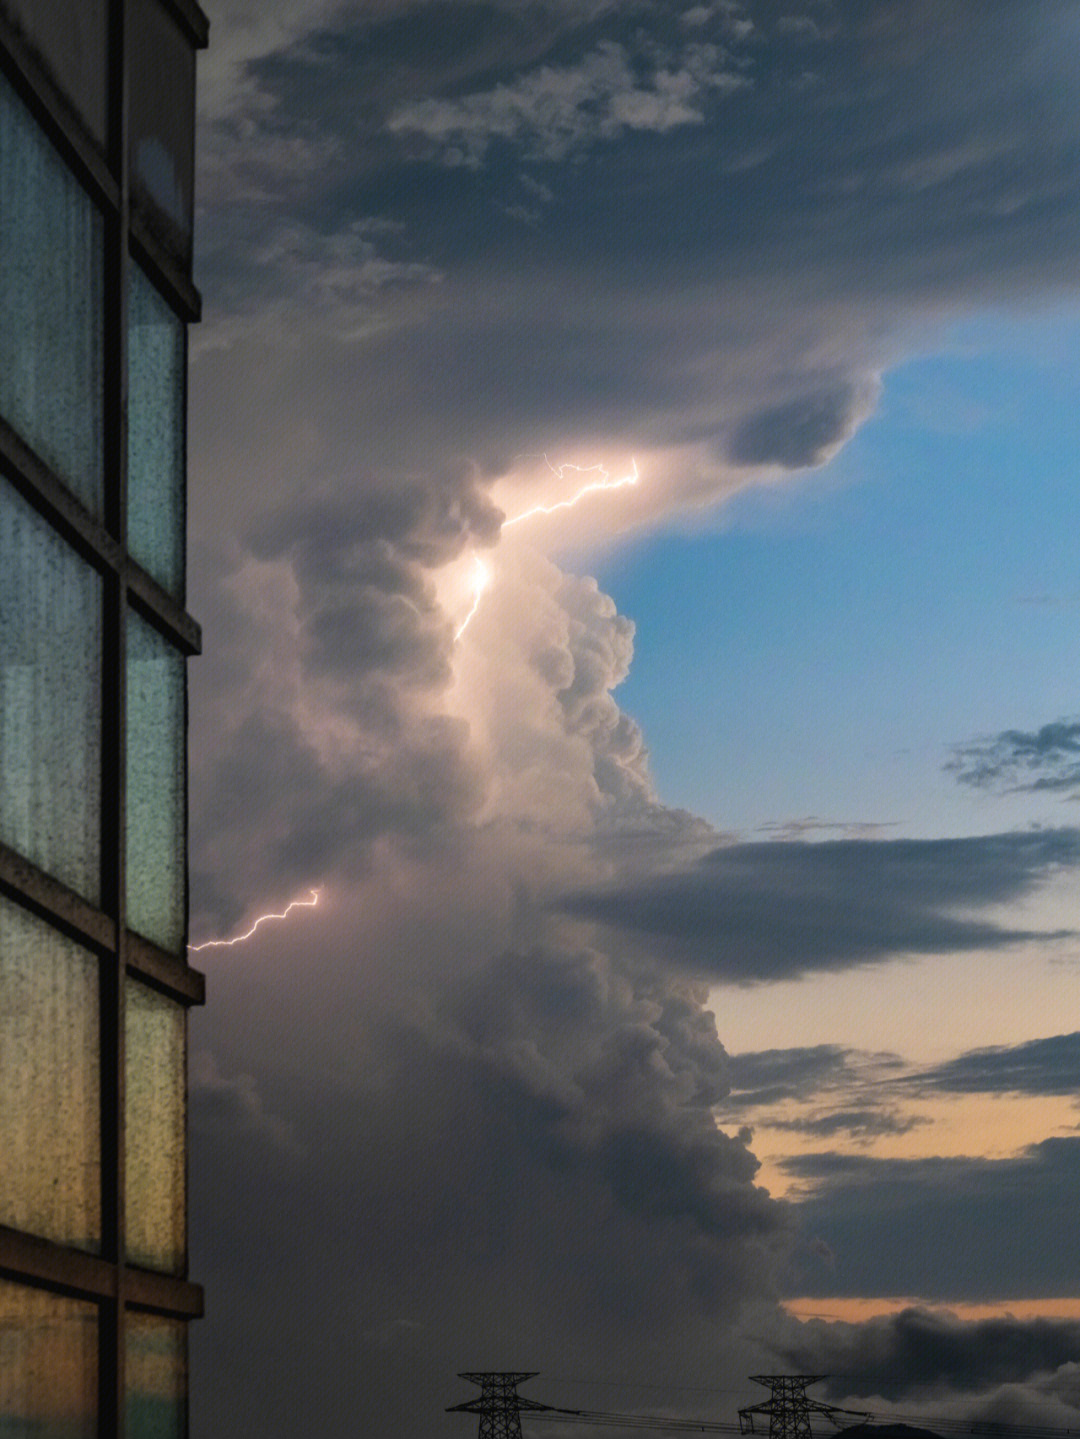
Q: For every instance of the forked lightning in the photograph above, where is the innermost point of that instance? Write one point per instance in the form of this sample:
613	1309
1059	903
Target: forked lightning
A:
605	482
482	578
262	919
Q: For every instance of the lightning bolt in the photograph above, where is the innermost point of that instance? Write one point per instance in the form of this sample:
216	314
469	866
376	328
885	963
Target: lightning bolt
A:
262	919
480	584
483	575
604	483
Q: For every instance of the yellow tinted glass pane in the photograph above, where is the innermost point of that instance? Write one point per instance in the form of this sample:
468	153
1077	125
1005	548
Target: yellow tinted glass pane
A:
50	1169
155	1029
48	1365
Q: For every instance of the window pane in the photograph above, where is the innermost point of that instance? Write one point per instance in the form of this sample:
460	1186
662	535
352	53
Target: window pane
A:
155	435
155	787
162	79
50	1175
48	1365
51	258
156	1377
50	698
70	42
155	1029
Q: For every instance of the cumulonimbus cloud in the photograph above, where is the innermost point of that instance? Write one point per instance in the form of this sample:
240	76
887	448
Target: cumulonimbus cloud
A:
508	1123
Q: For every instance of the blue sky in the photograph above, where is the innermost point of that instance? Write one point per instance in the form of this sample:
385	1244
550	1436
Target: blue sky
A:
852	625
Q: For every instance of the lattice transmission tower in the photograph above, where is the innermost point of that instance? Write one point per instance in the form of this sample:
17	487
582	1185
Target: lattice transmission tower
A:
788	1407
498	1404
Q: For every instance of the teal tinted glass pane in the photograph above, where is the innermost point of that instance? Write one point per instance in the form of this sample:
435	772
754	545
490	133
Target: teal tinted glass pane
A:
51	261
48	1365
69	42
155	1033
162	125
50	1173
156	1375
50	698
156	365
155	787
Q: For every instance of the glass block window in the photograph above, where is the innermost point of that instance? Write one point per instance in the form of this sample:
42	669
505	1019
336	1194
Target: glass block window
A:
50	1174
48	1365
157	1378
52	264
161	129
50	698
154	1036
157	363
156	800
69	41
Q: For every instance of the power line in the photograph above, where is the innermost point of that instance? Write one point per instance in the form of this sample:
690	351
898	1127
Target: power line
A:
669	1423
499	1407
789	1409
638	1384
655	1422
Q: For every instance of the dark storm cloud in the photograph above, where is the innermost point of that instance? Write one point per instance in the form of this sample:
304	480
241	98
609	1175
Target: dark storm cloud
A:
894	1355
1039	1066
946	1229
540	1026
560	1165
426	520
343	632
879	178
752	913
800	433
367	603
319	821
230	1108
1022	760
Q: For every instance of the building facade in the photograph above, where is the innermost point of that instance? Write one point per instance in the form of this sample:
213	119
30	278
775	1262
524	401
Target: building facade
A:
96	171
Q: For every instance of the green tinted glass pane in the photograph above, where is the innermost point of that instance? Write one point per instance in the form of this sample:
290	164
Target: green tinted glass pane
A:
51	260
155	786
48	1365
155	435
50	698
155	1033
50	1173
69	42
156	1374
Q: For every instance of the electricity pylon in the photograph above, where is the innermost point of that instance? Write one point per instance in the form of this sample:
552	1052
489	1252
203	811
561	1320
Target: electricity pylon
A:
788	1408
498	1404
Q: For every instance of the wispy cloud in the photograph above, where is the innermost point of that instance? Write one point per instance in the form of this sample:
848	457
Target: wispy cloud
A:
1022	760
555	111
823	1091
